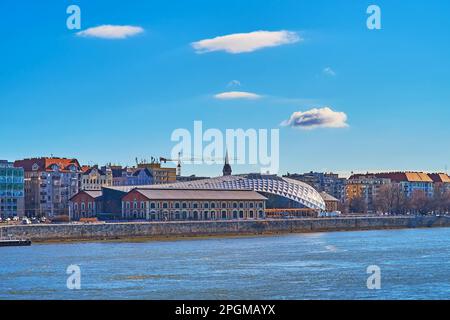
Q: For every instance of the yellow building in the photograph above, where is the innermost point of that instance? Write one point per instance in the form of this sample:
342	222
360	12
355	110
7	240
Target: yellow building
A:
160	175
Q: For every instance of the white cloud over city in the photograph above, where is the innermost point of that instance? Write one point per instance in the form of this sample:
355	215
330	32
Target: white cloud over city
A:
329	72
231	95
246	42
111	32
317	118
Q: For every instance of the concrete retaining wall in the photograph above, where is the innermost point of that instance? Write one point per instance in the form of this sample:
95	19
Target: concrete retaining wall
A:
202	228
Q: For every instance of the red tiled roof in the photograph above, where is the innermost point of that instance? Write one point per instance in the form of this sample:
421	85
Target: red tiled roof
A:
405	176
440	177
45	164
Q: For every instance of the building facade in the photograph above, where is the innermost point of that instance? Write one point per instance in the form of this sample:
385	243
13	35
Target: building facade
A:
86	204
172	205
366	187
94	178
411	182
11	190
49	184
441	181
161	175
331	203
131	176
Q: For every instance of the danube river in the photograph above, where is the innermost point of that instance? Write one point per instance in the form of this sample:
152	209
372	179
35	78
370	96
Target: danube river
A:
414	264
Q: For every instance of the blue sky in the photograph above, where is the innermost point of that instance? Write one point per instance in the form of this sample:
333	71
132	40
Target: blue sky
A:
111	100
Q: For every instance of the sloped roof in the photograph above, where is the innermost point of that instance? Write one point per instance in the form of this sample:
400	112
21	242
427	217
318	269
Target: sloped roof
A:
182	194
440	177
45	164
328	197
92	193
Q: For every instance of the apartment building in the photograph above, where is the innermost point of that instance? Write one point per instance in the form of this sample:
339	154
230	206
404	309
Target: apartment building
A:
49	184
366	187
94	178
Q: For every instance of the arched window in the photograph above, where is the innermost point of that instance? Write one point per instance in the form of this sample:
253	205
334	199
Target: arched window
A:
152	205
177	205
224	214
206	205
213	205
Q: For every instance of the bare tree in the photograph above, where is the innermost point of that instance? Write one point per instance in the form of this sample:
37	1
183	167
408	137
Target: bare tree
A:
391	199
420	202
357	205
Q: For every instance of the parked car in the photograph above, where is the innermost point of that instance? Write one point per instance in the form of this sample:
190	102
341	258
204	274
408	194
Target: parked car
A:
26	221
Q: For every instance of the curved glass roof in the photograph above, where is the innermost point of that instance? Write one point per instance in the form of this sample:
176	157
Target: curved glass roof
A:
291	189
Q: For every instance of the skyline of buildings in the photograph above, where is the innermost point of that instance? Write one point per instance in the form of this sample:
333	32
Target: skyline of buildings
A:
49	184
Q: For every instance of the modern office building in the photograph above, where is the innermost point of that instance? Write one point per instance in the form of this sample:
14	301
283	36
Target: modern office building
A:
11	190
49	184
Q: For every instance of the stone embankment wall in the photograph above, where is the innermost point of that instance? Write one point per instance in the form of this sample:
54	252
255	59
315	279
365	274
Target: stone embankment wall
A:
157	230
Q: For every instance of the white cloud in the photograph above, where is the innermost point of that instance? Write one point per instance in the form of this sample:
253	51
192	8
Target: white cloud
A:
111	32
317	118
234	83
246	42
237	95
329	72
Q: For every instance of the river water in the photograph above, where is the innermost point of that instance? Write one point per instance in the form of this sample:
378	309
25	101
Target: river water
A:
414	264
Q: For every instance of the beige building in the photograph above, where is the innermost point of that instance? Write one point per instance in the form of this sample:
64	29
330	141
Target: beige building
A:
331	203
94	178
179	204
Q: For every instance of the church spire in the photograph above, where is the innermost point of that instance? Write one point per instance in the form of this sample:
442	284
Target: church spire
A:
226	167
